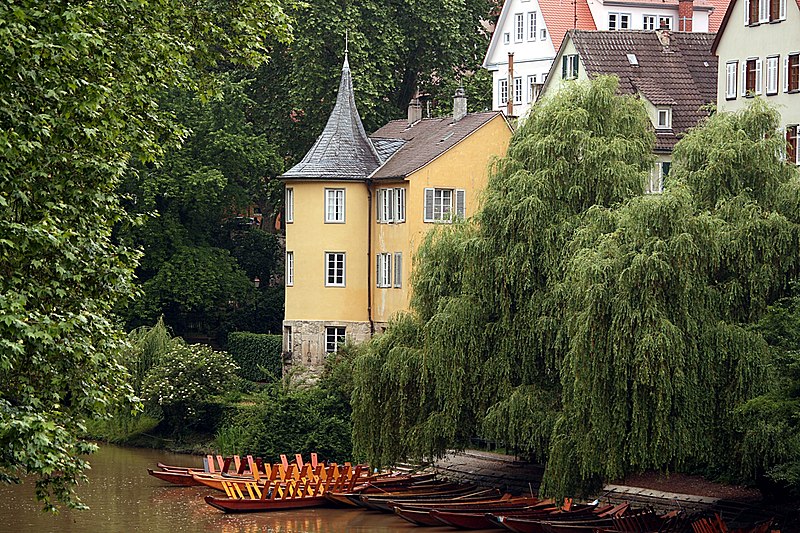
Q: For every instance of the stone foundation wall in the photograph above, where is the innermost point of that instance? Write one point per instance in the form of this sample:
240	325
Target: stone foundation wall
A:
306	355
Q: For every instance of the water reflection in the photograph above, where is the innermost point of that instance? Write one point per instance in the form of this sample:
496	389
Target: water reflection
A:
123	498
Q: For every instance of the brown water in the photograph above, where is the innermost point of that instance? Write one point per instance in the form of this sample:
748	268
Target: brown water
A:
123	498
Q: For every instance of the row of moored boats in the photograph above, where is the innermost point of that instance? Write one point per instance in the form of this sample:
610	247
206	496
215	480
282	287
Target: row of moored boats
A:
251	485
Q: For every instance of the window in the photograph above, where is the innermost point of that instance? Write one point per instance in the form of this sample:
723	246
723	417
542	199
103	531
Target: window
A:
649	22
792	144
334	337
289	205
543	34
664	118
506	38
619	21
531	82
659	174
439	204
391	205
791	72
383	265
750	12
664	23
288	339
503	91
398	270
334	205
289	268
519	27
334	269
532	26
730	79
763	10
752	77
518	90
772	75
569	67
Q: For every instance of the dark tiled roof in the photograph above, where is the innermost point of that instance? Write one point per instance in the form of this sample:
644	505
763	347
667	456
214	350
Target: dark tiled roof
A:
425	141
342	151
387	147
683	74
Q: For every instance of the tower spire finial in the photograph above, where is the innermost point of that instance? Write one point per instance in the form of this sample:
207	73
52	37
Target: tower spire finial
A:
346	41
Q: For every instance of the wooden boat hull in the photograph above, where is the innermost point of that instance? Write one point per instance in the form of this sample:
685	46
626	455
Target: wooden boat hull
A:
182	479
228	505
418	518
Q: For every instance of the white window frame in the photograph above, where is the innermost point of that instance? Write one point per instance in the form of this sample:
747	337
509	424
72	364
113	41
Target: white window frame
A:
786	73
440	204
385	206
626	18
383	270
502	92
771	88
532	25
731	77
543	34
618	19
666	123
759	77
398	270
782	10
334	206
613	21
519	27
763	11
569	67
334	336
289	268
531	81
797	142
668	18
332	261
518	90
506	38
289	339
400	205
289	205
649	22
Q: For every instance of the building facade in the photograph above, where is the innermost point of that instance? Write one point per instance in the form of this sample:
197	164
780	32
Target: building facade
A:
529	33
357	207
758	48
674	74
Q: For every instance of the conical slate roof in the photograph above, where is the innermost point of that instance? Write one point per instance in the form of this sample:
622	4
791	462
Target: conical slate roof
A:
342	151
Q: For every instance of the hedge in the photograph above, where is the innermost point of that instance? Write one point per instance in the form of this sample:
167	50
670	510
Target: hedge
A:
254	350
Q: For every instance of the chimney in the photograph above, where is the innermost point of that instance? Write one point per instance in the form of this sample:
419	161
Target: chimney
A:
510	91
459	105
685	14
414	111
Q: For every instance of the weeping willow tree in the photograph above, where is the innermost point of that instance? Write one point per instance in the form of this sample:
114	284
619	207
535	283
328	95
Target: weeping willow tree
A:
582	322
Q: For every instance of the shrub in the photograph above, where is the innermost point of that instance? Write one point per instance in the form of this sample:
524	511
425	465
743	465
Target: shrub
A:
185	382
258	355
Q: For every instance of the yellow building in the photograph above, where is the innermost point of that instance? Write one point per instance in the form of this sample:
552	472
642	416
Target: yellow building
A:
357	207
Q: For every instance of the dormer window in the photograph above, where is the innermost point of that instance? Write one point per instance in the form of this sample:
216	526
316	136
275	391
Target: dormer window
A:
664	118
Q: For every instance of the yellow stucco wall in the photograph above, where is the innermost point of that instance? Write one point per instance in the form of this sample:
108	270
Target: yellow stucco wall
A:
309	237
465	166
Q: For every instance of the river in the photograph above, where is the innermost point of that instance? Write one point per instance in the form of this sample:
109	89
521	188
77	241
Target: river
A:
123	498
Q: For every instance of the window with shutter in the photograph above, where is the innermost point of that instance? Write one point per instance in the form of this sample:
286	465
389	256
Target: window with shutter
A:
774	10
383	266
398	270
400	205
750	77
772	75
759	78
428	208
730	80
461	198
753	12
792	144
763	10
793	72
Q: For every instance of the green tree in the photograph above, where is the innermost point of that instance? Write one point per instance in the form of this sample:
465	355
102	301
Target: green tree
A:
396	48
80	83
585	323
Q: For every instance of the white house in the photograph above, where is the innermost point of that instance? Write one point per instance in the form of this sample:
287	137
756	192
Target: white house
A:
758	47
529	33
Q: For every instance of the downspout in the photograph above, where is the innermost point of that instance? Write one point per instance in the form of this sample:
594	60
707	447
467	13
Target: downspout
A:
369	258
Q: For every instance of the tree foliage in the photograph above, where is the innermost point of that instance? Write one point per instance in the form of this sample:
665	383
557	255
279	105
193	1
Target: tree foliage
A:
79	90
580	321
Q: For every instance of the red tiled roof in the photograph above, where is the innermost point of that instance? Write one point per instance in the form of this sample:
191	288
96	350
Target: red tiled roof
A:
560	16
716	16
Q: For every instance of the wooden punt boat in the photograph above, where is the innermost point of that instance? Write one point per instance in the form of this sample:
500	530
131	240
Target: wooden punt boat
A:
481	518
575	519
418	518
505	501
371	501
476	495
291	495
385	484
183	479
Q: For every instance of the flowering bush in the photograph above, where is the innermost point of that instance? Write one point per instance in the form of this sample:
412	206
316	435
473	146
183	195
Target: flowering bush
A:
185	382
